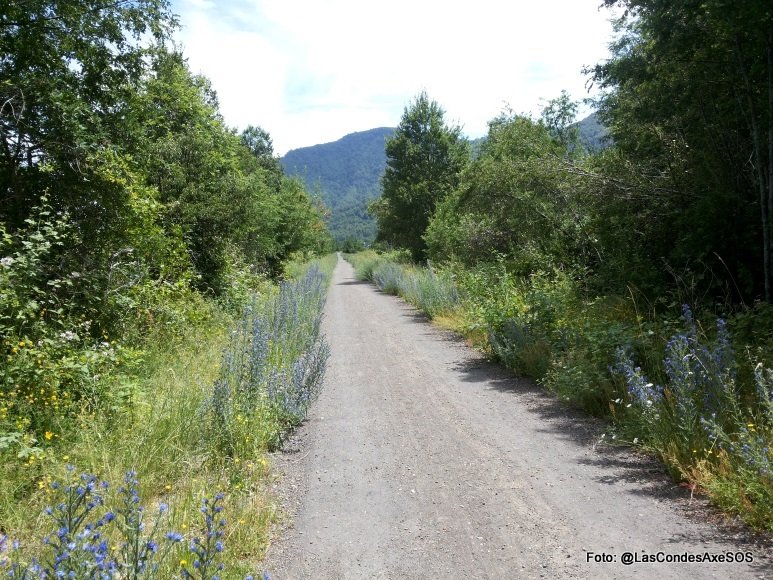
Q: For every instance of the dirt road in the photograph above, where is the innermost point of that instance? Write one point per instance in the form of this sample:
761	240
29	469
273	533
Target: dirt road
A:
421	460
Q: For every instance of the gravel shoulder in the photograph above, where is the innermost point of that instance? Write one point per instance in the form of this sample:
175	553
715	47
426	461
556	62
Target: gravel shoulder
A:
422	460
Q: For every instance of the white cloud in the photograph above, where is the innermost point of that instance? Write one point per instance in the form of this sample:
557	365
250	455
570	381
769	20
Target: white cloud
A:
311	71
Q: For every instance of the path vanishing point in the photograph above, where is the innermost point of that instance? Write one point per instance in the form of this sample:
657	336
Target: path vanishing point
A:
422	460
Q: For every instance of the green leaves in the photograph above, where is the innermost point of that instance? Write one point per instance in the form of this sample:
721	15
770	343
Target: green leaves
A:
690	101
425	159
517	199
121	189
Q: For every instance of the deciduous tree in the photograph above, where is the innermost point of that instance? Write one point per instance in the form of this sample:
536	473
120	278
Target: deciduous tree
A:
425	158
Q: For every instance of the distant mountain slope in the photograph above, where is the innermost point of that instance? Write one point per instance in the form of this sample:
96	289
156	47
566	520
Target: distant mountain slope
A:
346	173
593	134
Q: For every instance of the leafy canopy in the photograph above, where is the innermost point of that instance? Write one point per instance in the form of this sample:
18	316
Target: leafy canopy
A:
425	158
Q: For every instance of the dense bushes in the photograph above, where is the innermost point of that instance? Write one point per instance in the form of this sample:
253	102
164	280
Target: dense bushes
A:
125	203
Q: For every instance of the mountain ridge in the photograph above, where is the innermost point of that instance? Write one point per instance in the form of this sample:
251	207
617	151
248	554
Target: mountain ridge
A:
346	174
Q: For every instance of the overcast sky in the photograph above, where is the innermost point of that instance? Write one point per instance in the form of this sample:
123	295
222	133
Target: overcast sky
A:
311	71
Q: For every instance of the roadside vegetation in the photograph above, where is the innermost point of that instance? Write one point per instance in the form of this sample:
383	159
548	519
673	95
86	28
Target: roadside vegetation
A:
634	281
685	389
159	320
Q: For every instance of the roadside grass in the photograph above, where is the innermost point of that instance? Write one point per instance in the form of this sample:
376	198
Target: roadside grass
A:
296	268
161	439
433	292
177	444
667	382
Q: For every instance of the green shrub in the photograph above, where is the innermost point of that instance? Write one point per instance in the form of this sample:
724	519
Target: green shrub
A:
702	424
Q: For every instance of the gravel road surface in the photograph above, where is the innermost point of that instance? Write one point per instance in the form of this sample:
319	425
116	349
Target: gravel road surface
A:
422	460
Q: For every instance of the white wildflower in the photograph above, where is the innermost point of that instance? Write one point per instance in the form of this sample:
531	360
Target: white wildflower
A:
68	335
6	262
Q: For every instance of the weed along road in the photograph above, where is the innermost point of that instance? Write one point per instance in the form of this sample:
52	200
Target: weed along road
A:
422	460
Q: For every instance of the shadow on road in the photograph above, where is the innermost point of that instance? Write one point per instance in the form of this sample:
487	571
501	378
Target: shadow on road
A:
621	464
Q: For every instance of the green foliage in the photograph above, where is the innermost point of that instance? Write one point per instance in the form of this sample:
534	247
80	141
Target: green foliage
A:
161	433
346	173
424	161
516	200
558	116
67	73
351	246
432	292
222	191
56	349
125	204
689	92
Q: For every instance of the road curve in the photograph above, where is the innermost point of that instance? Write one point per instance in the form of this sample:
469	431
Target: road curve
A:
422	460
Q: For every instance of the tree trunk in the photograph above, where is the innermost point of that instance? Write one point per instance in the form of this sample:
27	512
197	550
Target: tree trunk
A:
759	165
768	181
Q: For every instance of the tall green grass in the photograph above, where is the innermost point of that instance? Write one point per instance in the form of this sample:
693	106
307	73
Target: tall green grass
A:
167	435
432	292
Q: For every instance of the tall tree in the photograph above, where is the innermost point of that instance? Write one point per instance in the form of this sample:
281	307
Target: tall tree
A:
559	116
65	72
690	100
425	158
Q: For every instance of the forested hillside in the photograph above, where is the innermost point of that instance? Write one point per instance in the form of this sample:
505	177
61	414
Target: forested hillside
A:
346	174
633	280
593	134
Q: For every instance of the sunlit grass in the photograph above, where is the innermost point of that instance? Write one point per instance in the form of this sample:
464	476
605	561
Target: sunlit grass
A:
165	436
